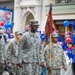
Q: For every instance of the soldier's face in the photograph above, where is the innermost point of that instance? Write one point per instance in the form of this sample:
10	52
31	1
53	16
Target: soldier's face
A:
34	28
55	39
19	37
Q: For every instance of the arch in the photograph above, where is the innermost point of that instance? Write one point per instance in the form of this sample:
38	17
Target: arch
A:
30	16
27	15
28	10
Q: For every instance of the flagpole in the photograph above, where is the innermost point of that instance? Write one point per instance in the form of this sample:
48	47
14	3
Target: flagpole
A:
50	48
50	42
50	56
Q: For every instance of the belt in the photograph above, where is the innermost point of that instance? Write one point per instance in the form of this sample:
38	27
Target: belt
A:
31	62
56	68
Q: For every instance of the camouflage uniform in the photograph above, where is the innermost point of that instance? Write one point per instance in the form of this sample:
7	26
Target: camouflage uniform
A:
12	55
2	51
57	56
46	56
31	53
57	59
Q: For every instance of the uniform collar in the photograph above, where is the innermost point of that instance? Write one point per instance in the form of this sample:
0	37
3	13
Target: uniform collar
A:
54	44
33	34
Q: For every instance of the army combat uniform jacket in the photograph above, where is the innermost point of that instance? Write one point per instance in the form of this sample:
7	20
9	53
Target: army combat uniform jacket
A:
31	53
57	56
2	51
12	52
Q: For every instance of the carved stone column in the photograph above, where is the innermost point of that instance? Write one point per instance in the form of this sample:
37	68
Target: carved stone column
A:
17	16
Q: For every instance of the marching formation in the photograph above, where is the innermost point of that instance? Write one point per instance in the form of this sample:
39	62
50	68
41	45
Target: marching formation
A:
29	54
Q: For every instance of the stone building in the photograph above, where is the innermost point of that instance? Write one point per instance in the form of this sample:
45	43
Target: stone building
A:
63	10
24	10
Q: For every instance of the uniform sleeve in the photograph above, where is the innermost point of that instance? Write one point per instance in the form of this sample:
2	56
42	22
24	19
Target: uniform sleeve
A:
21	48
1	57
20	52
47	55
47	60
41	53
9	51
3	50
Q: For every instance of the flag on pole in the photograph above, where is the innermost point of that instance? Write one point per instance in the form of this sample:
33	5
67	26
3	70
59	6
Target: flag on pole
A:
49	27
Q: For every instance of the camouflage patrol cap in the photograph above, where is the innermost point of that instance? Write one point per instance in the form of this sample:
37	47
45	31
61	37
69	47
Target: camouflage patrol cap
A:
18	33
54	34
34	22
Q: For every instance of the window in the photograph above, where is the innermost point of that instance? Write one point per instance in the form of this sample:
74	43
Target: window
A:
61	1
61	29
64	1
73	0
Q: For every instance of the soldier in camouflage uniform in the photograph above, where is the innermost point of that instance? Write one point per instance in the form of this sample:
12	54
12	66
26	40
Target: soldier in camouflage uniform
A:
12	53
57	56
31	53
2	50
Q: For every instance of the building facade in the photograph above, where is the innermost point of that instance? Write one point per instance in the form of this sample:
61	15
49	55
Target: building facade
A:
24	10
63	10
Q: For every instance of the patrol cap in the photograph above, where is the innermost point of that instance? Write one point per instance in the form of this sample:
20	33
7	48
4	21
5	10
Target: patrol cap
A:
18	33
34	22
54	34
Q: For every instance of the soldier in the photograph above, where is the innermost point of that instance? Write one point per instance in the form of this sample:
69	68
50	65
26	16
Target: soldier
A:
12	53
2	50
57	56
31	53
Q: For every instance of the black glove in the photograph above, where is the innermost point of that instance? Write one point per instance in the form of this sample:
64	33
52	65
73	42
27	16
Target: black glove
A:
20	65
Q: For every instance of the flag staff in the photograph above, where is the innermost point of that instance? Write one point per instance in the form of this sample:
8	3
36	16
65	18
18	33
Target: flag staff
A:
50	40
50	56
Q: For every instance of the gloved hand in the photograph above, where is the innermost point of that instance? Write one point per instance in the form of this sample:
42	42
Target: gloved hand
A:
20	65
64	68
43	64
1	65
49	69
9	64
